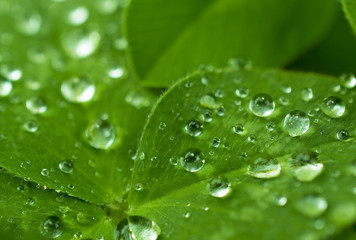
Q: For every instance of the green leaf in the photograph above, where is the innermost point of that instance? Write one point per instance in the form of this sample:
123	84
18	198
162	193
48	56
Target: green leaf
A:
168	39
337	61
251	179
350	12
26	206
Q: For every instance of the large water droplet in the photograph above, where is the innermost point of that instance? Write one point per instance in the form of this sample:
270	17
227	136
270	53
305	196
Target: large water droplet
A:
296	123
264	167
78	89
36	105
79	44
5	87
194	127
208	101
192	160
312	205
66	166
219	187
137	228
52	227
262	105
100	134
333	107
306	165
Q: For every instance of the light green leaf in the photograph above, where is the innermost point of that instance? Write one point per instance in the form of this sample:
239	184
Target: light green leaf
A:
168	39
27	210
350	12
252	179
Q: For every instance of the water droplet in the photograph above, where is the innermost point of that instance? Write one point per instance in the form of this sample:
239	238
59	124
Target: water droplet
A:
312	205
264	167
251	138
5	87
52	227
262	105
121	43
333	107
281	201
100	134
306	165
116	72
219	187
270	126
45	172
238	128
30	201
174	160
66	166
240	64
287	89
220	111
78	89
207	116
343	135
11	73
80	44
192	160
242	92
29	24
215	142
162	126
137	228
296	123
284	100
36	105
138	186
208	101
307	94
31	126
348	80
194	127
78	16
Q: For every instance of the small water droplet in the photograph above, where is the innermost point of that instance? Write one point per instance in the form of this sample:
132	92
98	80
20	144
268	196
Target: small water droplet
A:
66	166
281	201
348	80
137	227
333	107
192	160
31	126
238	128
45	172
307	94
207	116
5	87
116	72
287	89
174	160
36	105
208	101
78	89
194	127
312	205
242	92
240	64
343	135
80	44
251	138
78	16
262	105
306	165
162	126
138	186
270	126
296	123
264	167
29	24
100	134
11	73
219	187
284	100
220	111
215	142
52	227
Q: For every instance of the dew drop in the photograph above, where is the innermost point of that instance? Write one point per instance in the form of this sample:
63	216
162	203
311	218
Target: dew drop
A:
138	186
100	134
45	172
192	160
137	228
348	80
116	72
220	111
306	165
296	123
264	167
194	127
36	105
208	101
207	116
312	205
78	16
80	44
262	105
11	73
78	89
5	87
215	142
162	126
343	135
66	166
281	201
238	128
31	126
333	107
29	24
307	94
242	92
219	187
52	227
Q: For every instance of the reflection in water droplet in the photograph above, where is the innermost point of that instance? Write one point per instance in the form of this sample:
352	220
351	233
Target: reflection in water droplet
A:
80	44
208	101
242	92
262	105
52	227
31	126
194	127
296	123
307	94
264	167
100	134
66	166
192	160
343	135
333	107
5	87
137	228
219	187
312	205
78	89
306	165
36	105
